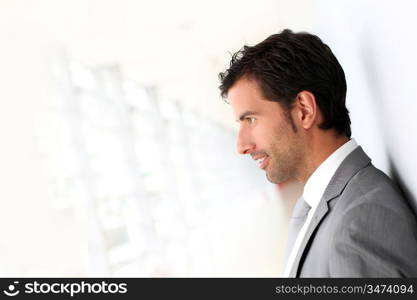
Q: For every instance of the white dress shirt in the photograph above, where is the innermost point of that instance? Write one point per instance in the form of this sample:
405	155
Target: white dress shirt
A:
313	191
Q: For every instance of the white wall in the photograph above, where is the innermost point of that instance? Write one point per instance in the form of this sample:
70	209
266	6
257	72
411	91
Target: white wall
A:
376	44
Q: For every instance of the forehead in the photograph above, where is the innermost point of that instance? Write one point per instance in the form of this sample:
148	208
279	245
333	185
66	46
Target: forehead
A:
246	95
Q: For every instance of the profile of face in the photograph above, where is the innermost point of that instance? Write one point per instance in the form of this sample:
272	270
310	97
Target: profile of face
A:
266	132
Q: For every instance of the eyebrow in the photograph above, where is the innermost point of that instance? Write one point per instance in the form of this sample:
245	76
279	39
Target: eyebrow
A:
245	114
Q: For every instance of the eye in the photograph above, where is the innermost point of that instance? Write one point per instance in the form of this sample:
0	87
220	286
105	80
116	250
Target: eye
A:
250	120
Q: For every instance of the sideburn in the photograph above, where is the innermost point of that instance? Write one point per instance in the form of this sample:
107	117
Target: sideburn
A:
288	116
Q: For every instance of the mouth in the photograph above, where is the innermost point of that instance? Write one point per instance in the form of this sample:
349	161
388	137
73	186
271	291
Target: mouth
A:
262	161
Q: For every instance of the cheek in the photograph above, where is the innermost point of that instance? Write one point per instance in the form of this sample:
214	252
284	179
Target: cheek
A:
265	137
280	138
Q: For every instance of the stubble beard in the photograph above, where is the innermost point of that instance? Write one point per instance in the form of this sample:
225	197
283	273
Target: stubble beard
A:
286	164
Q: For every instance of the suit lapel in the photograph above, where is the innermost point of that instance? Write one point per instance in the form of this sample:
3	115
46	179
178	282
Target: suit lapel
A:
347	169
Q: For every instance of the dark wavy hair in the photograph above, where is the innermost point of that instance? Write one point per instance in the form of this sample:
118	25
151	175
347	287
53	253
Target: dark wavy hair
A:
287	63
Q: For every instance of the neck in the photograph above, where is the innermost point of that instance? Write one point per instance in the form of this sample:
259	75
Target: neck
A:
319	149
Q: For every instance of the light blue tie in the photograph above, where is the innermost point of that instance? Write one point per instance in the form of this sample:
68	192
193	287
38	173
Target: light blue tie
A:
299	216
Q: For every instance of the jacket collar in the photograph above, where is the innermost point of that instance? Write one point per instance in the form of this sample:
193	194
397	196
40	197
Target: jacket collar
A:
354	162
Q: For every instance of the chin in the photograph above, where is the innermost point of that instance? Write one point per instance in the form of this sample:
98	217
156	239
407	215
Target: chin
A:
277	179
273	180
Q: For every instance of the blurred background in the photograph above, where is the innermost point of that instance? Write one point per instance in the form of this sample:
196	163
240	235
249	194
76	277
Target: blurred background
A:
117	154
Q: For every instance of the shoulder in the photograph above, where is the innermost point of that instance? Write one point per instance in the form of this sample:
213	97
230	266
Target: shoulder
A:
372	187
373	201
376	231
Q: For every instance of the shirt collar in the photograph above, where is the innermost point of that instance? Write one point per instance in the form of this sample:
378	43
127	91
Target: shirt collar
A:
318	181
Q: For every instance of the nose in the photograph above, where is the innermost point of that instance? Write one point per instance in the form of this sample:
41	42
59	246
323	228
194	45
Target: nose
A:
244	143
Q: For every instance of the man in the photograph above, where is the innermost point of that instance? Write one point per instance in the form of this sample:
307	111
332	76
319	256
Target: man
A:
288	94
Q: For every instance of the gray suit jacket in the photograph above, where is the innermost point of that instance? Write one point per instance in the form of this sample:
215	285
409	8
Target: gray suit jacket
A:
362	227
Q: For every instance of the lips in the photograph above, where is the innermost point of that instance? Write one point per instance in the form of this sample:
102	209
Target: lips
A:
262	161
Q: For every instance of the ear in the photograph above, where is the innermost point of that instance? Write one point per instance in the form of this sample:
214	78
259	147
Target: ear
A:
306	109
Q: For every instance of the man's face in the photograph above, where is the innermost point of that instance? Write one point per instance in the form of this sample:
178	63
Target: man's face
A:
266	133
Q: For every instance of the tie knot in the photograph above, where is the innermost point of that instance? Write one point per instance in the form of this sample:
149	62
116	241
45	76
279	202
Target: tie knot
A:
301	209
